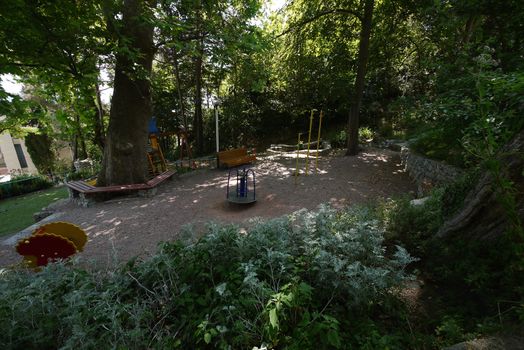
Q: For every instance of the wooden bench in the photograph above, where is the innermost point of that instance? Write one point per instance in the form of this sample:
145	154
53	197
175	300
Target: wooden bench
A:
234	157
84	193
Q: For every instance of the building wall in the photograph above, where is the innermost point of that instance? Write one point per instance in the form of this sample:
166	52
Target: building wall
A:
11	159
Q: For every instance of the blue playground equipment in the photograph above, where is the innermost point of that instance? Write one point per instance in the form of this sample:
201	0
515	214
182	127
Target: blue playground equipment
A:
241	193
153	129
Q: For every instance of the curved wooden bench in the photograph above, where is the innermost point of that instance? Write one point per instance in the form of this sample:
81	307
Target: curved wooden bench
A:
84	193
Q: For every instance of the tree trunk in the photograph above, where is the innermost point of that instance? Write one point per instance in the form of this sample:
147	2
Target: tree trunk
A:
125	159
80	141
198	131
179	88
74	150
99	120
486	215
363	56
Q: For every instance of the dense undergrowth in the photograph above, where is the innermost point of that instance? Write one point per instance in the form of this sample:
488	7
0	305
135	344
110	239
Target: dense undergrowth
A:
325	279
322	280
471	288
482	109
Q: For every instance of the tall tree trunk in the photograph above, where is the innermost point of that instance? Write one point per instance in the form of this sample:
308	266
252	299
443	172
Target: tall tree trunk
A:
74	149
80	141
83	148
363	56
99	120
198	131
174	57
125	159
469	28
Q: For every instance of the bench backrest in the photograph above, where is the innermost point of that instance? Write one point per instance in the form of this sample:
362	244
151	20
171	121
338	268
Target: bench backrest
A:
233	153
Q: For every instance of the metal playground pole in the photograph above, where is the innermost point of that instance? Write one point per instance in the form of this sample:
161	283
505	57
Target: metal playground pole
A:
318	139
309	138
298	154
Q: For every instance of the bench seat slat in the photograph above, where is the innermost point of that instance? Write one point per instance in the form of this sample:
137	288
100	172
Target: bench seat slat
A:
119	188
80	186
160	178
83	187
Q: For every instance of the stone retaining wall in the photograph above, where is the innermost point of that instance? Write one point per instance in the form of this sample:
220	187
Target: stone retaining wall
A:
427	173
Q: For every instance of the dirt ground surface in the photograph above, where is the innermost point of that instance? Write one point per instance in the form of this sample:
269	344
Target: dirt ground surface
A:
133	226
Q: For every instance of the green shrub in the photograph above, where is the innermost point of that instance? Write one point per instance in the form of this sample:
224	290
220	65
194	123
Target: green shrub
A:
473	278
339	140
477	113
83	174
411	225
454	194
310	280
365	134
442	144
23	184
40	147
414	225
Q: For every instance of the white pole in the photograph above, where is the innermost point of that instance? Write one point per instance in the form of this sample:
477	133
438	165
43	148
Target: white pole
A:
216	126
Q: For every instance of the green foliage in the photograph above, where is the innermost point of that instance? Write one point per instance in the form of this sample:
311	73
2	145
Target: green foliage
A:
365	134
40	147
454	194
339	140
83	174
23	184
16	113
415	225
412	225
450	331
295	282
477	113
475	279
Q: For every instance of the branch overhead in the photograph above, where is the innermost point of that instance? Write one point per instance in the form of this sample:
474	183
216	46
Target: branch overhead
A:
318	16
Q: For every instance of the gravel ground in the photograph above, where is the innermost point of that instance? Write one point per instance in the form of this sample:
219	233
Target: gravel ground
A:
132	226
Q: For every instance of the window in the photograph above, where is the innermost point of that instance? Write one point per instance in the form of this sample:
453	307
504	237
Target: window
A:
20	155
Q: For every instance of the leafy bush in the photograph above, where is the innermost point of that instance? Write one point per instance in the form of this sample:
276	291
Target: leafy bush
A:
63	172
83	174
454	194
440	143
40	147
365	134
473	115
414	225
23	184
411	225
339	140
310	280
473	280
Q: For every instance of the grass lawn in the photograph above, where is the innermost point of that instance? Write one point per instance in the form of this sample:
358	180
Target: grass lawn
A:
17	213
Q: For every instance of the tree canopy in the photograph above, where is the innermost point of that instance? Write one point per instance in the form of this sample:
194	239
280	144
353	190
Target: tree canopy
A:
440	73
444	77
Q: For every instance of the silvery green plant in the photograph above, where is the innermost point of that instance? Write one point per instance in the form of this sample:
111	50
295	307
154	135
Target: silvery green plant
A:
283	282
